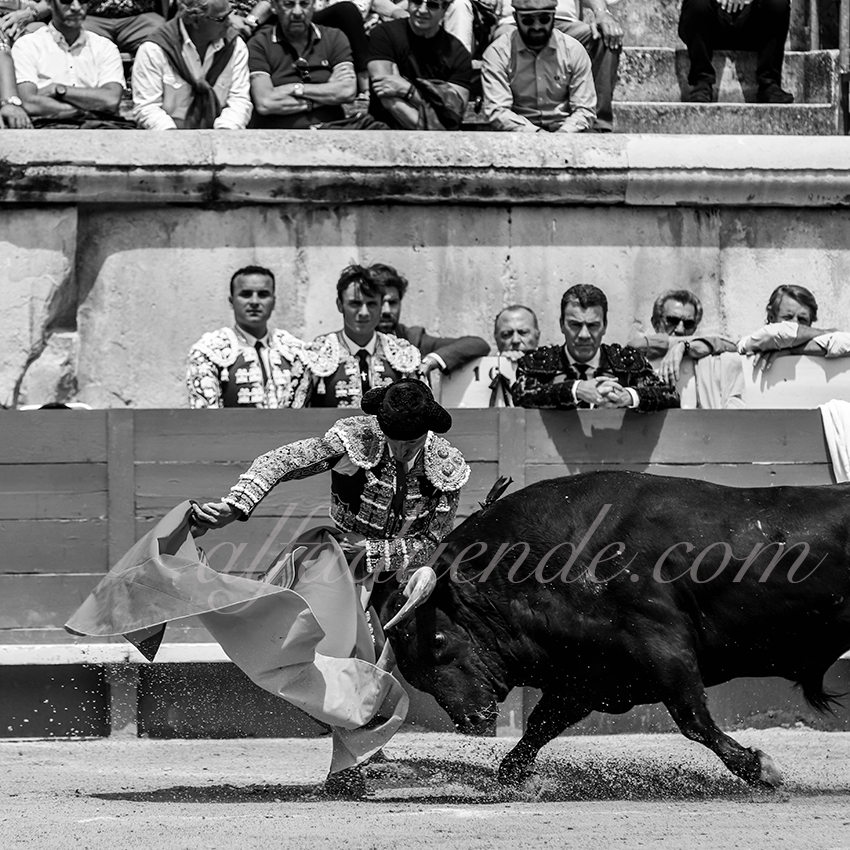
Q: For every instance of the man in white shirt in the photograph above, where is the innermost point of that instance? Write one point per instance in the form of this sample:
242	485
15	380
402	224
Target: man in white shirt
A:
193	72
536	78
64	71
602	39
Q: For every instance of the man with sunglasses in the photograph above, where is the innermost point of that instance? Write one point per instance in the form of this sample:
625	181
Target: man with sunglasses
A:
602	38
676	315
413	65
537	78
64	71
301	73
193	72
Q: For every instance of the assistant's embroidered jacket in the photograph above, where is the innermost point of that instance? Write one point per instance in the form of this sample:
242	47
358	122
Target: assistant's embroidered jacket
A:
336	371
360	502
224	371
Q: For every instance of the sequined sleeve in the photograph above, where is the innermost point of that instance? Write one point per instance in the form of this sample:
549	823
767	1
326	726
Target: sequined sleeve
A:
288	463
403	555
203	381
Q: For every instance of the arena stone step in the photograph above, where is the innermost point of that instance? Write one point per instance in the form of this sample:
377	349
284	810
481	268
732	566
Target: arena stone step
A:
806	119
661	74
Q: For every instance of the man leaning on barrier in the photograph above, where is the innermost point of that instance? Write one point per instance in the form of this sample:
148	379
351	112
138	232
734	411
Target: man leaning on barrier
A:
584	372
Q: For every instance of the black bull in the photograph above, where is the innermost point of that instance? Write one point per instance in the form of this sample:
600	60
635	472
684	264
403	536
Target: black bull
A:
670	585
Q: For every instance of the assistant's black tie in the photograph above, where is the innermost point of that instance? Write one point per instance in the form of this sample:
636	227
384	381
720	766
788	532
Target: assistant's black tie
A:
363	357
581	369
259	347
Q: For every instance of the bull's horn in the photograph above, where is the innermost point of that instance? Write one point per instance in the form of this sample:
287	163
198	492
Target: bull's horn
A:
422	592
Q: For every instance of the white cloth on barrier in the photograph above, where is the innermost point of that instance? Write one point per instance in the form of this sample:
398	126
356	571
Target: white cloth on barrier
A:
836	427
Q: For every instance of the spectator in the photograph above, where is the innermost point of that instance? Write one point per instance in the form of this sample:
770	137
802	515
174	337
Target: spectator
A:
584	372
516	331
301	72
347	363
12	112
676	315
537	78
443	353
602	39
193	73
421	75
63	71
350	17
126	23
18	21
249	364
791	313
760	25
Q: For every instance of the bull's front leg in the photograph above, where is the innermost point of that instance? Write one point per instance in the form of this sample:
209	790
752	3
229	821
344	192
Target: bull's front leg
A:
550	717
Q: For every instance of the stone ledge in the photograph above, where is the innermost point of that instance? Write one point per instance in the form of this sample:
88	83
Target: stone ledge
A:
255	167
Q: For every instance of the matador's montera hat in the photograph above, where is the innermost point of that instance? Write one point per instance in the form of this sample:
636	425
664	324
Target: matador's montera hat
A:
406	409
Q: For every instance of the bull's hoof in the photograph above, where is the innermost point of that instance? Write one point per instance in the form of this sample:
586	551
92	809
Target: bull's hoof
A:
513	774
770	774
345	785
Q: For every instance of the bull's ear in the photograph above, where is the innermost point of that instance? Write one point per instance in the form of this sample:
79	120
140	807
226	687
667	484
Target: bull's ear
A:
502	484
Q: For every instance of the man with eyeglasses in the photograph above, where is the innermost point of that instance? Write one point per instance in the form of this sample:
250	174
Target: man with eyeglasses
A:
602	38
420	74
64	71
193	72
584	372
536	78
676	316
301	73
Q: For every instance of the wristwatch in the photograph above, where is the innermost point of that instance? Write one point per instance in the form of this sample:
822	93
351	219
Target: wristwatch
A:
14	100
59	92
298	91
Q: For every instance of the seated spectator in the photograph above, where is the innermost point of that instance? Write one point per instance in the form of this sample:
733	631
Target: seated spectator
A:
443	353
350	17
759	25
791	312
248	364
126	23
193	72
537	78
301	72
420	74
676	315
347	363
12	112
63	71
18	21
516	331
602	39
584	372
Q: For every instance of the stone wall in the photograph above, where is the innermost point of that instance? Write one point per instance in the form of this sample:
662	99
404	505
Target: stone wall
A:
116	250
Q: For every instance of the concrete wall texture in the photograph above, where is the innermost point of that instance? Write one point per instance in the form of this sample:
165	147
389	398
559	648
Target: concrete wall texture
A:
106	281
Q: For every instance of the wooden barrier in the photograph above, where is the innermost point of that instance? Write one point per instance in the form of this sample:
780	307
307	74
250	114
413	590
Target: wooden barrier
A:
78	487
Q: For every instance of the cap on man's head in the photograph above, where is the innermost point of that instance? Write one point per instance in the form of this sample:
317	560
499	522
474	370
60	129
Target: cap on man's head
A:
535	5
406	410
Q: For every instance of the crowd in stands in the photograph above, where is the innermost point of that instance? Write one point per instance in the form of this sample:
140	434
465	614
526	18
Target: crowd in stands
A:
252	364
296	64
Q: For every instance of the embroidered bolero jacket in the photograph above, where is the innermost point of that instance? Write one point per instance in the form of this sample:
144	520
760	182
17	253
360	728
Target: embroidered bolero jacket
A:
336	372
360	502
224	371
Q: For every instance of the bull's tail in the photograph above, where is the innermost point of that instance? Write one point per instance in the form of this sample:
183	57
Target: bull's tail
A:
818	698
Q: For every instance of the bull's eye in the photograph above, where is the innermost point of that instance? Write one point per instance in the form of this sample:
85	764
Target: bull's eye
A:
439	640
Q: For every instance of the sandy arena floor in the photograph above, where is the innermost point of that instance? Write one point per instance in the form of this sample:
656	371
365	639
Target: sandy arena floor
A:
434	791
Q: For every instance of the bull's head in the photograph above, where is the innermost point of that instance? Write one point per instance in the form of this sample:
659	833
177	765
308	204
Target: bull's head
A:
446	646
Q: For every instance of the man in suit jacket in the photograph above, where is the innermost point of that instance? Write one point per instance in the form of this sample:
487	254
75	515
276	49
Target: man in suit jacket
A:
585	373
443	353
